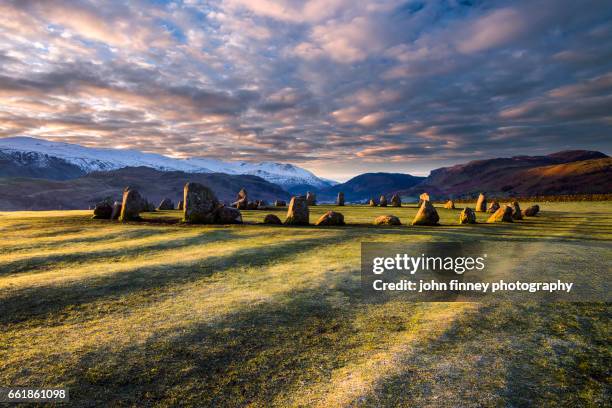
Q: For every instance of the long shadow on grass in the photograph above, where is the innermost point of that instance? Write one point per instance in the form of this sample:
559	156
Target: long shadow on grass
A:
87	255
147	282
250	357
501	356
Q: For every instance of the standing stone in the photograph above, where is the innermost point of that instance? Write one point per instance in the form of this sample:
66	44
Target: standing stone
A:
272	219
503	214
166	204
331	218
467	216
422	198
311	198
280	203
262	205
102	211
116	210
200	204
180	205
372	203
242	200
251	205
383	201
396	201
516	211
298	213
387	220
531	211
132	205
340	199
481	204
427	215
494	206
450	205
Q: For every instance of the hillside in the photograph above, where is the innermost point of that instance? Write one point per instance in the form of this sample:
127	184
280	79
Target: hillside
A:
80	193
368	185
568	172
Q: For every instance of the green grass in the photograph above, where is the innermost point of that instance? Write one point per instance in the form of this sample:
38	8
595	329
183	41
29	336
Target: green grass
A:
160	313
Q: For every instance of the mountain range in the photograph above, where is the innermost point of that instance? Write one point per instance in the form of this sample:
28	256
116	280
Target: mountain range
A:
38	174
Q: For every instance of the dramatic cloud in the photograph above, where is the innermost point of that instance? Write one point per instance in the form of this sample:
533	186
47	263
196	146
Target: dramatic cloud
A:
337	86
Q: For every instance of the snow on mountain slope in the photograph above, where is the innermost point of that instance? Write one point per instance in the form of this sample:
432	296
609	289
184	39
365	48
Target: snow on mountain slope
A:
95	159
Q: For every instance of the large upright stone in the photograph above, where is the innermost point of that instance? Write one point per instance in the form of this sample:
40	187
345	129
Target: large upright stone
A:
383	201
331	218
180	205
427	215
396	201
102	211
503	214
494	206
298	213
132	205
422	198
531	211
280	203
242	200
450	205
372	203
481	204
200	204
467	216
516	211
166	204
311	198
340	199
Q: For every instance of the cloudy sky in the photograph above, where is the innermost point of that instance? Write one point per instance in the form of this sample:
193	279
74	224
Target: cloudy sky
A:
337	86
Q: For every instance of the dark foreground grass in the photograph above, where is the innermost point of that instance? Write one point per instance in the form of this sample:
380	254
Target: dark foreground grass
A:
162	314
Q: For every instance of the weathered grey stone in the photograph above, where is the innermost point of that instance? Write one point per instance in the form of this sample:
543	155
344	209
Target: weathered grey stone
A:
340	199
280	203
372	203
116	210
298	213
102	211
200	204
494	206
166	204
387	220
311	198
422	198
227	215
531	211
396	201
467	216
331	218
427	215
450	205
242	200
131	206
272	219
516	211
180	205
503	214
382	201
481	204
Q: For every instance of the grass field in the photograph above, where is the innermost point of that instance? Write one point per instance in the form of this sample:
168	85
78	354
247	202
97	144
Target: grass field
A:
159	313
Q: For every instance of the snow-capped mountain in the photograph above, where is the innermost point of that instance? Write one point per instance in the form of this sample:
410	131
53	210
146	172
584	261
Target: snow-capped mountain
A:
38	153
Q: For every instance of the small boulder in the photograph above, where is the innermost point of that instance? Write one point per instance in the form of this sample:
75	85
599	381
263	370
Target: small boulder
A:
298	213
272	219
427	215
494	206
531	211
387	220
311	198
166	204
180	205
280	203
503	214
450	205
467	216
396	201
200	204
481	204
102	211
116	210
383	201
331	218
372	203
516	211
340	199
227	215
132	205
